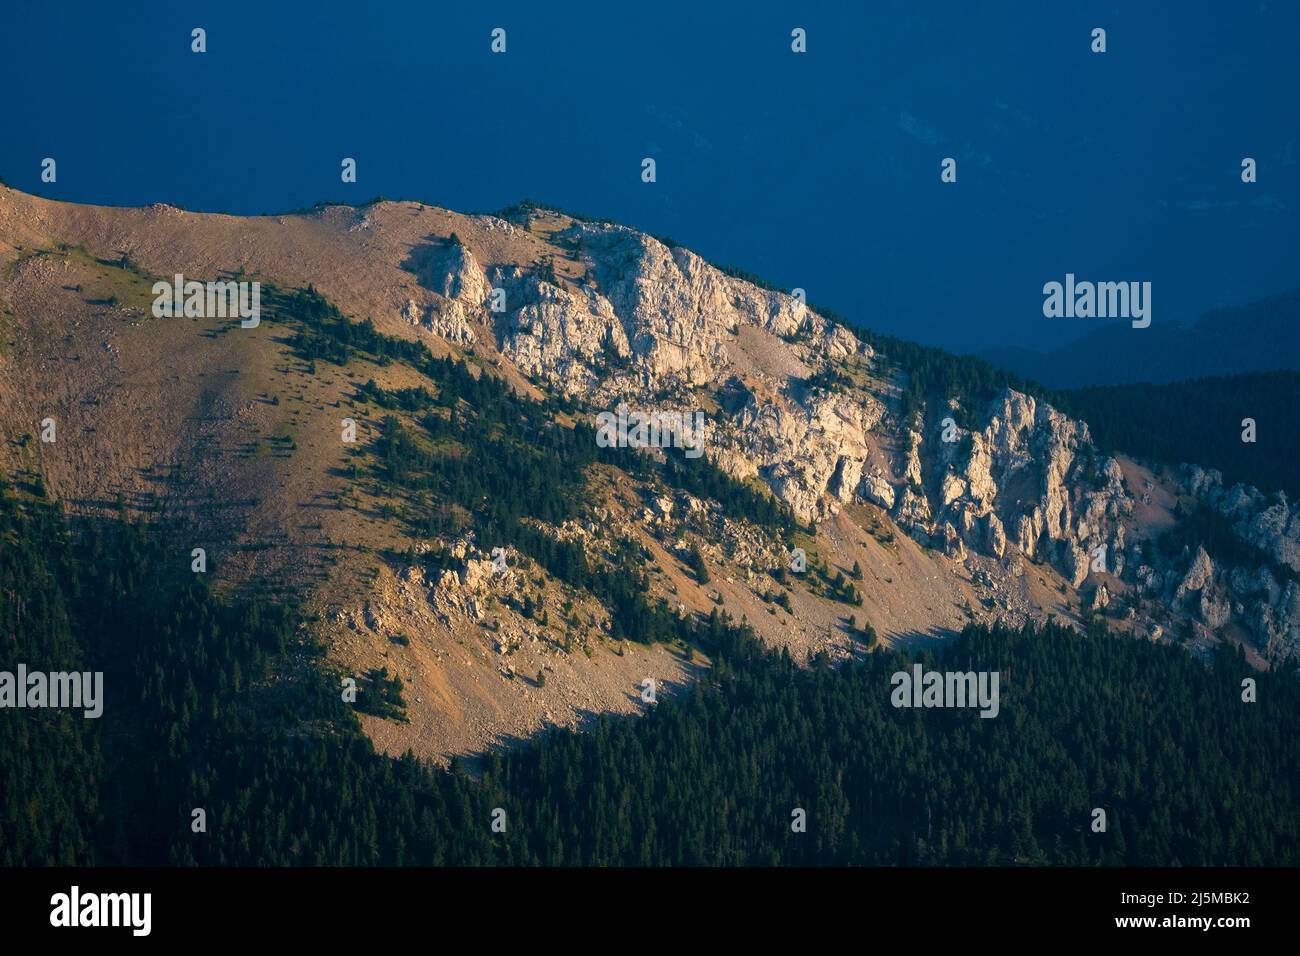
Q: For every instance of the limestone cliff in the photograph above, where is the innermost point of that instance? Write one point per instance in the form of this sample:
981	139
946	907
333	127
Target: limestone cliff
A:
798	403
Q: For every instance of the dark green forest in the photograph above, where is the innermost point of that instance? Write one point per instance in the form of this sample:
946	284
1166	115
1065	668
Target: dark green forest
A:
224	704
1199	421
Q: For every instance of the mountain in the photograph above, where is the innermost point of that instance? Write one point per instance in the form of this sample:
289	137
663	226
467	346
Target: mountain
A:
1261	336
416	439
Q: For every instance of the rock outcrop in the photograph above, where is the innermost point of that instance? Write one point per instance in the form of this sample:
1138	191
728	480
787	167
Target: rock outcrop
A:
797	402
1026	467
1263	593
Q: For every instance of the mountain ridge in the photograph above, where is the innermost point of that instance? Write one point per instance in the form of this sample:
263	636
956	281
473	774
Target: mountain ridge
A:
920	507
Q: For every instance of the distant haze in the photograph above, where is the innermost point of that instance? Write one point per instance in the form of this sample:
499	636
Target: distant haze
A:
1261	336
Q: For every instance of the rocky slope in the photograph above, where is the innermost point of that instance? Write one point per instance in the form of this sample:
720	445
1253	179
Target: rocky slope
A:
659	327
1012	514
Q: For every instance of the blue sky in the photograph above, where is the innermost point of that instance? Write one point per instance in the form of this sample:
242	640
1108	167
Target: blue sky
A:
818	170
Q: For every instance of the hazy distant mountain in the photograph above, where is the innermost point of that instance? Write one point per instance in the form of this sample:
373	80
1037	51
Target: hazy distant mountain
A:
1261	336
